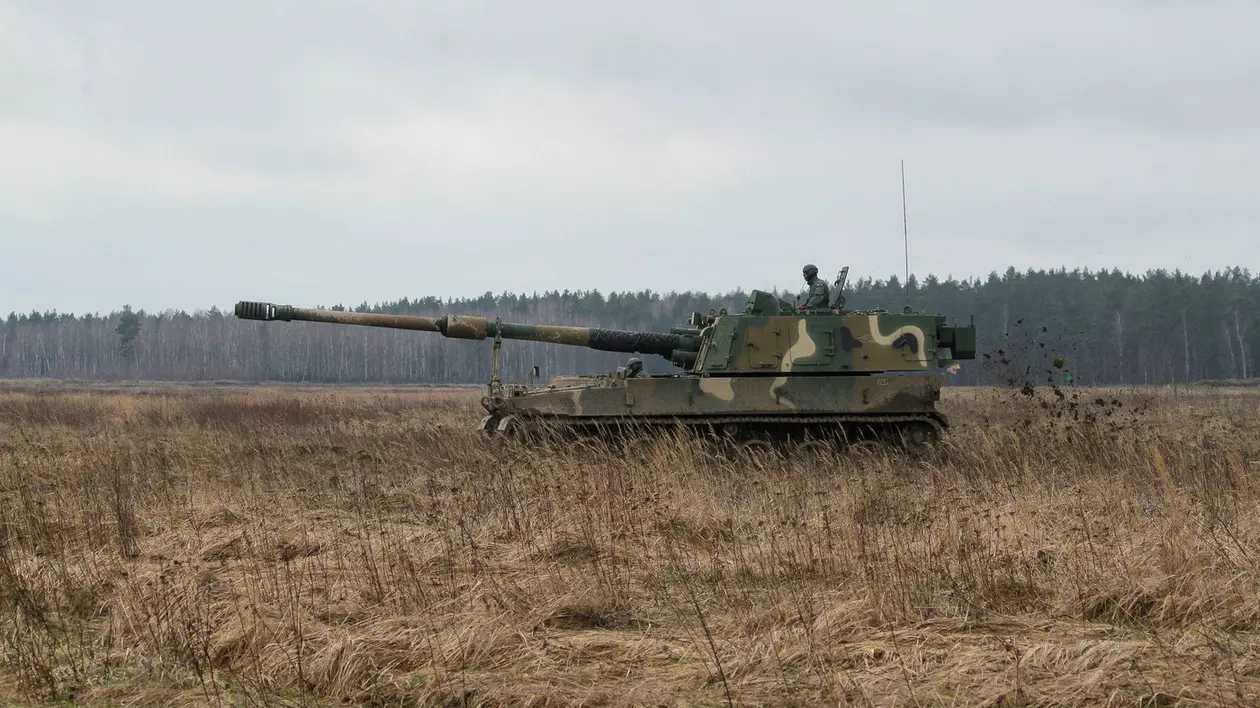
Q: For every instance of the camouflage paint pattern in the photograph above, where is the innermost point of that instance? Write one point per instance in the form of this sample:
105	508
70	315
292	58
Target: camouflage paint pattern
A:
823	343
693	396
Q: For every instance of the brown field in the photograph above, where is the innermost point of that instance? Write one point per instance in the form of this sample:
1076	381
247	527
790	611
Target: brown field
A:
315	546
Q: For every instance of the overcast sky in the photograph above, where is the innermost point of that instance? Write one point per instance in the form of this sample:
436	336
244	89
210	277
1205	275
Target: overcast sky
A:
178	154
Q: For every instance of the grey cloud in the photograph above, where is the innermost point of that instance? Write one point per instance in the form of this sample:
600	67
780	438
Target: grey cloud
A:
324	151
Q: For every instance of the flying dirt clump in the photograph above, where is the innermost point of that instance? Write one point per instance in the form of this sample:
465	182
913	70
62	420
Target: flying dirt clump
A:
1013	364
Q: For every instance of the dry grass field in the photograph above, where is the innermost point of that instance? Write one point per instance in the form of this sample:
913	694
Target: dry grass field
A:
316	546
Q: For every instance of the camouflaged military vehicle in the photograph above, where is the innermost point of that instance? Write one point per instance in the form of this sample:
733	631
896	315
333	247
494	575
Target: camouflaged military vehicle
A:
770	373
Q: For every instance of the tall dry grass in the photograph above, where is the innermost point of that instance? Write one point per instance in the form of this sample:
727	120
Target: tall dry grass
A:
263	547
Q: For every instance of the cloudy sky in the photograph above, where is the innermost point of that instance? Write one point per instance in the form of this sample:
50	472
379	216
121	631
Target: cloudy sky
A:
178	154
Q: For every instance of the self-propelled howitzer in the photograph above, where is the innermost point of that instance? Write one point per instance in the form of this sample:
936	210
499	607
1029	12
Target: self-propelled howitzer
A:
770	373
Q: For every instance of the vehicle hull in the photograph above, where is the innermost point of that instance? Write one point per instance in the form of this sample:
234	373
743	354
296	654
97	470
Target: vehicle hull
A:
738	406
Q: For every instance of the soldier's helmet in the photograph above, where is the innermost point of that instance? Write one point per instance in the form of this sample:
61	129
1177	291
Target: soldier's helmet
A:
634	363
810	270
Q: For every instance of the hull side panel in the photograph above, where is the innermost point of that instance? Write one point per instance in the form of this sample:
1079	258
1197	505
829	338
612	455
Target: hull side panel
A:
685	397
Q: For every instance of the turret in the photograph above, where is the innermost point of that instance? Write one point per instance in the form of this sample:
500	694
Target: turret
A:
772	337
769	338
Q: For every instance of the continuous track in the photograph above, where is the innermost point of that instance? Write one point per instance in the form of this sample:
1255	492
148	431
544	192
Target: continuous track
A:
917	428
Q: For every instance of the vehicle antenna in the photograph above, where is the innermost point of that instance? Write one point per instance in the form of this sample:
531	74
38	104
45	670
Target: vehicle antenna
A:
905	232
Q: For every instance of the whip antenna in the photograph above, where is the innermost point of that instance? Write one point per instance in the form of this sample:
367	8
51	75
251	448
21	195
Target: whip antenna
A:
905	231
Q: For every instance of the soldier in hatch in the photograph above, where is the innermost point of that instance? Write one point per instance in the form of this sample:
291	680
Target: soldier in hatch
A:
633	367
819	295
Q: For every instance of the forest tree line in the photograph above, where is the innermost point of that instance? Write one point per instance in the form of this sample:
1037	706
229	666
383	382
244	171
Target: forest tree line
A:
1104	327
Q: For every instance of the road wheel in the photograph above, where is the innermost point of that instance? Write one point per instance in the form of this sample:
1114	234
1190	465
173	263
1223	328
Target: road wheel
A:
758	447
488	424
918	435
813	449
869	448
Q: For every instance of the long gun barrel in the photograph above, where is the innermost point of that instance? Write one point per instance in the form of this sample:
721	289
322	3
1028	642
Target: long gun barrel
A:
465	327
